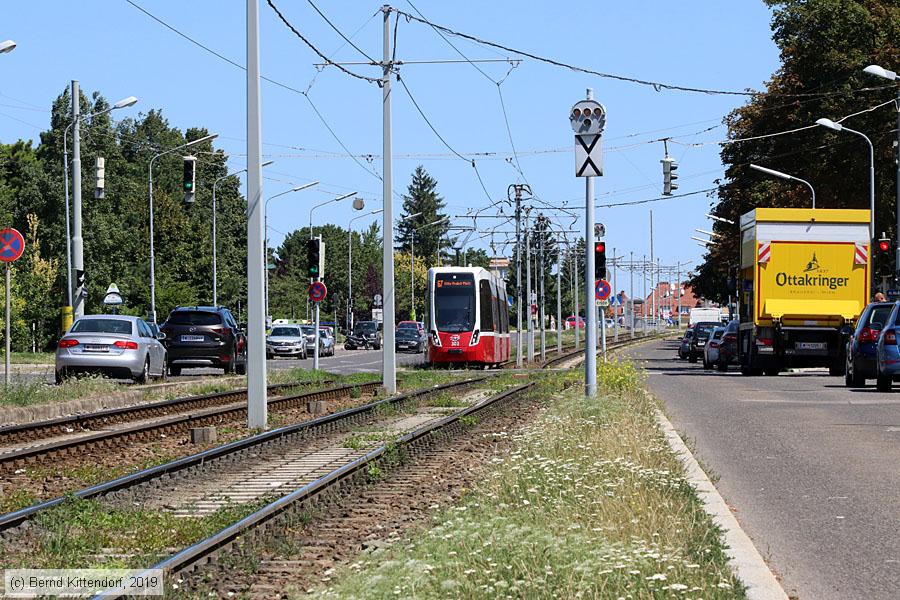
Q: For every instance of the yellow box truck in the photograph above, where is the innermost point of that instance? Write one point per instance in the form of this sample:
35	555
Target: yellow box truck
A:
804	280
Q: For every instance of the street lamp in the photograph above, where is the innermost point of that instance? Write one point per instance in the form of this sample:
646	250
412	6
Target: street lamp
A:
266	239
720	219
829	124
358	204
892	76
215	284
350	265
152	251
7	46
781	175
123	103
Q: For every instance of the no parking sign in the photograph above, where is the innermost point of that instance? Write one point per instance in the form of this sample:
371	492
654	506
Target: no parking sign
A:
12	245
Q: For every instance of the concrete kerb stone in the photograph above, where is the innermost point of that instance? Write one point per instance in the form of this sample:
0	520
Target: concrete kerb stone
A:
744	558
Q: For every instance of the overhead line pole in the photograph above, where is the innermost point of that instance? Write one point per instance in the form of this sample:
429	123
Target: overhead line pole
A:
389	357
257	408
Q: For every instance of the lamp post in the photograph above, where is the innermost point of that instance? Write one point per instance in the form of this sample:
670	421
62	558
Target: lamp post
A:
152	252
215	281
891	75
350	266
358	204
412	264
829	124
76	165
781	175
266	240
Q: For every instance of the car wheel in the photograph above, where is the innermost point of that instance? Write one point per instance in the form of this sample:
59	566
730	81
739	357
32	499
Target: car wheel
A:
60	376
722	366
229	368
164	374
241	369
692	358
376	347
174	371
771	371
144	375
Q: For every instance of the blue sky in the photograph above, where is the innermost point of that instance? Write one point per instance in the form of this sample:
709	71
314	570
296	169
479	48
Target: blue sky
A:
705	43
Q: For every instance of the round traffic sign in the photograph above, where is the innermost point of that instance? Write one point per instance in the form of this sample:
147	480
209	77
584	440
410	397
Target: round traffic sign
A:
603	289
12	244
317	291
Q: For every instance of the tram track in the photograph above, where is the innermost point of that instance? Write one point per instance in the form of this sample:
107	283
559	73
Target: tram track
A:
429	438
115	427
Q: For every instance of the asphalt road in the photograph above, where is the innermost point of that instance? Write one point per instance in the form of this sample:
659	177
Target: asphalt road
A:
809	466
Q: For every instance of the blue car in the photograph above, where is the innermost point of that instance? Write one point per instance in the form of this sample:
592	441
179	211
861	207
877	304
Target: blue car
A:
887	364
862	346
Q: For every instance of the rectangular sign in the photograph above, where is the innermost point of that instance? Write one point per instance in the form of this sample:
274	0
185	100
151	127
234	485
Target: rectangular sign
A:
588	156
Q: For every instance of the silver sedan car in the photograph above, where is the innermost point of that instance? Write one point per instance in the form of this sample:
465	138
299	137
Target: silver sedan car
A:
117	346
286	340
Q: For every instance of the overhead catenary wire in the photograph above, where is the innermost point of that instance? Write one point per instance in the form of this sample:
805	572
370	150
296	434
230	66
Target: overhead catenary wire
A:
657	85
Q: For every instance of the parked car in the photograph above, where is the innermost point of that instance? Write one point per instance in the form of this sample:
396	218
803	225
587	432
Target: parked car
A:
887	354
862	345
117	346
728	346
205	336
286	340
571	320
410	339
711	350
364	335
685	347
326	338
417	325
698	341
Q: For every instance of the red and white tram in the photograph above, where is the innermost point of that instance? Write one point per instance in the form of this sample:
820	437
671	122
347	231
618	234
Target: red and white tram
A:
468	319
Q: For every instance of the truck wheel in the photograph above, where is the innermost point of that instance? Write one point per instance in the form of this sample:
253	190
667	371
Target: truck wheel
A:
883	383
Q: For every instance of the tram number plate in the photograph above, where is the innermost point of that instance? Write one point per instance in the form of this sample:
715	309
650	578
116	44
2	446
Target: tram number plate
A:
810	345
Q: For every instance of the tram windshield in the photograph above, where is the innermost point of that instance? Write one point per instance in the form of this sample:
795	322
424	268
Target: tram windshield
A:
454	302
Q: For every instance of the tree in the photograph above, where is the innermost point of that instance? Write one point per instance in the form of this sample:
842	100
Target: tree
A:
422	197
824	46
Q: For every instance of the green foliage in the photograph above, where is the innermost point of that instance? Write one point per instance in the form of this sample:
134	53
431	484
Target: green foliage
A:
825	45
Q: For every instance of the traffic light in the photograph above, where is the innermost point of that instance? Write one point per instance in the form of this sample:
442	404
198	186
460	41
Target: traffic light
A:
600	260
669	175
100	177
189	181
884	247
315	258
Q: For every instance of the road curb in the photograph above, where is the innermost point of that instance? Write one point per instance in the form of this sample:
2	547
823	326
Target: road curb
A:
744	558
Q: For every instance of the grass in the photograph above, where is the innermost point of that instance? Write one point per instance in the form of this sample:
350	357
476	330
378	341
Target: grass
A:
89	534
31	358
26	393
588	501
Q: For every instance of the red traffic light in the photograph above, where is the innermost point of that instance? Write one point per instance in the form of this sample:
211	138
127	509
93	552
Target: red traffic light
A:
884	245
600	247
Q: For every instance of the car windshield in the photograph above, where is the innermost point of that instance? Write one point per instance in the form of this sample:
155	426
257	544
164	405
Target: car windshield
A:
120	326
688	334
365	328
407	333
194	317
286	331
408	325
880	314
454	302
703	329
717	333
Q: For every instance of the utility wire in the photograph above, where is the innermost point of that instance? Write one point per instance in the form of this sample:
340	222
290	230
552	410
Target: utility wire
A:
316	50
657	85
338	31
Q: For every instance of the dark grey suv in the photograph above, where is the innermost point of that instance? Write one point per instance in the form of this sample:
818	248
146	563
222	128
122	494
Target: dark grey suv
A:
204	336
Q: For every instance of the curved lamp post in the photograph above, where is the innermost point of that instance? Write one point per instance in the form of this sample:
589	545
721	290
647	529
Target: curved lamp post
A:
781	175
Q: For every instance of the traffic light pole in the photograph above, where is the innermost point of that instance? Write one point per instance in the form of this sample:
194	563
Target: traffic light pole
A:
590	329
77	239
316	348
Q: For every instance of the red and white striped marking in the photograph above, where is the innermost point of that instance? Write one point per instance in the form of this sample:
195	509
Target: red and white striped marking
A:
861	255
764	253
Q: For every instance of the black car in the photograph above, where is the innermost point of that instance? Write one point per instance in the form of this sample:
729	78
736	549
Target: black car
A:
410	339
685	346
204	336
702	332
861	348
365	335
